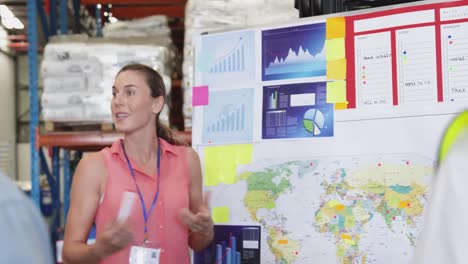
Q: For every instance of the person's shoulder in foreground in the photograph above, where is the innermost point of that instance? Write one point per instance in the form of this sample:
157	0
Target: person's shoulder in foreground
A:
445	236
24	238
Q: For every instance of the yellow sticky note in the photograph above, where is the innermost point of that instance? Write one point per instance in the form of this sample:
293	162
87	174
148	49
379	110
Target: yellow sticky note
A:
227	165
341	106
336	92
336	70
212	166
335	49
221	162
244	154
336	27
220	214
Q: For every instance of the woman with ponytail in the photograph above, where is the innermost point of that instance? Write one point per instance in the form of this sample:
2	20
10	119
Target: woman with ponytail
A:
169	213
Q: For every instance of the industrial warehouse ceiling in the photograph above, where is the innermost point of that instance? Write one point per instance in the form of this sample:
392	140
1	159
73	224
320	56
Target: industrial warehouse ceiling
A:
120	9
174	9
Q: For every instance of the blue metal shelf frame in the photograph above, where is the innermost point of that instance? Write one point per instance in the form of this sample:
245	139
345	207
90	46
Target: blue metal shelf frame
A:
38	160
31	9
67	178
63	17
98	21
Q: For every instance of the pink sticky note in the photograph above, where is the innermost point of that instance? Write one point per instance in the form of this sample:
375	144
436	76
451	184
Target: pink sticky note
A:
200	95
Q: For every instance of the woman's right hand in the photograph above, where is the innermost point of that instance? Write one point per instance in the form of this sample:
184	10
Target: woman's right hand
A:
115	237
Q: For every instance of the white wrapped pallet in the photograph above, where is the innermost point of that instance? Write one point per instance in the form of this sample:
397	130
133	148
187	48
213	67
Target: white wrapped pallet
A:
70	68
66	51
65	84
142	27
78	75
79	113
74	98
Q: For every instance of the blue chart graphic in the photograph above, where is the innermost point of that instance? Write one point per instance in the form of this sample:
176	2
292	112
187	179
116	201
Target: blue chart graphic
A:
232	245
228	117
231	120
227	58
296	111
314	121
233	61
294	52
273	100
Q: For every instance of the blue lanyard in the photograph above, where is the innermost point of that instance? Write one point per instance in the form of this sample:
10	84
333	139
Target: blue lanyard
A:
143	207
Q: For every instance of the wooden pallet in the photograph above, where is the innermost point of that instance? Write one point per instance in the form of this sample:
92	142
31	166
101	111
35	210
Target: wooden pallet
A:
55	126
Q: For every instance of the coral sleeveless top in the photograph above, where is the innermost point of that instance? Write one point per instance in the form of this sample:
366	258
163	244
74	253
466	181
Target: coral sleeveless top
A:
164	225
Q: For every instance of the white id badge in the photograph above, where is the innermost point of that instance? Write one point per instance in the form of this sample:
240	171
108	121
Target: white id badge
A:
144	253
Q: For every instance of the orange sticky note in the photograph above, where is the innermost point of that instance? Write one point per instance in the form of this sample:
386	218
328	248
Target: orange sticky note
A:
345	236
283	241
340	207
341	106
336	27
336	70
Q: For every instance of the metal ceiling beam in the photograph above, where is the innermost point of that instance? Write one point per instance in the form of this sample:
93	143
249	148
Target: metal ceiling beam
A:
12	3
138	12
130	2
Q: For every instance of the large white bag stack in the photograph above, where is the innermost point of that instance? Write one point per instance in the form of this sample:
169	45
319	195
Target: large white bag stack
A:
78	73
218	15
3	38
155	26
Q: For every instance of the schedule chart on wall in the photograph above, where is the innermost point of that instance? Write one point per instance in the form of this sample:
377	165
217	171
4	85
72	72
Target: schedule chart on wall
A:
373	69
416	64
455	61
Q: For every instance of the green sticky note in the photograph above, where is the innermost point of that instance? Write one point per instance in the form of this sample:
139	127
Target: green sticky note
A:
335	49
221	162
220	214
336	92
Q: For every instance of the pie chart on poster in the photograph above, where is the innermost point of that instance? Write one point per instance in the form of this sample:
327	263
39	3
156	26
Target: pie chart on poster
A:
314	121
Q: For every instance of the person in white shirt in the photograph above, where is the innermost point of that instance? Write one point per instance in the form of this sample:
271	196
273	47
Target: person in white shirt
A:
24	238
444	238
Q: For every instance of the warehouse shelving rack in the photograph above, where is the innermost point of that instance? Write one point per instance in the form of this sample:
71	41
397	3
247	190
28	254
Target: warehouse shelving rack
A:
58	142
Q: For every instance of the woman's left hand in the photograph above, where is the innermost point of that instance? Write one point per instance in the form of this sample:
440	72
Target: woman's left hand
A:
198	222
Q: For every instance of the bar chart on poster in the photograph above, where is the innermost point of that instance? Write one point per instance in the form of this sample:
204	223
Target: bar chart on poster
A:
228	118
455	61
416	65
373	69
234	60
232	244
226	59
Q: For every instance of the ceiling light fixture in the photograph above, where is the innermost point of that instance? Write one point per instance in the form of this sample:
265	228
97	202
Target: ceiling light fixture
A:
9	20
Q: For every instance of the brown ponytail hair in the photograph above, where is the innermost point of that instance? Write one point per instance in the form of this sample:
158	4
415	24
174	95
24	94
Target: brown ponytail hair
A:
157	88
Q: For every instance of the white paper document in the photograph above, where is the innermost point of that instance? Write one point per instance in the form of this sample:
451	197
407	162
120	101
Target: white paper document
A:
126	204
455	61
373	70
416	65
